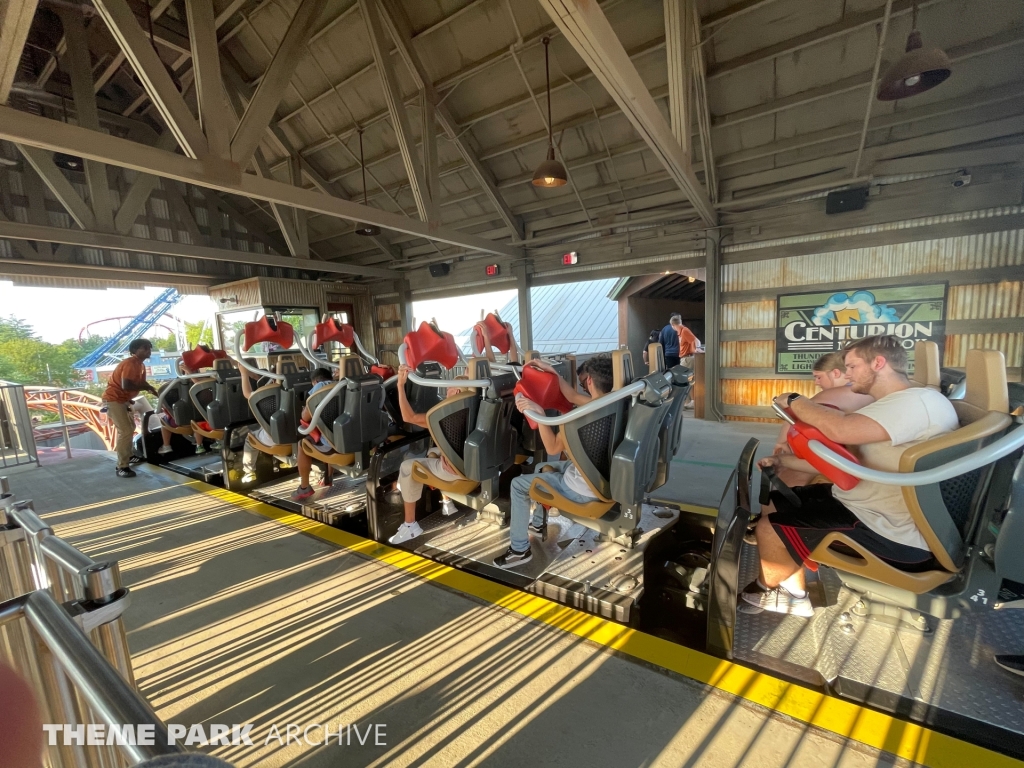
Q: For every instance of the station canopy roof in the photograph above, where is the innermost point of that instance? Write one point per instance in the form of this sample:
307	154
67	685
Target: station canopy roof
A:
779	91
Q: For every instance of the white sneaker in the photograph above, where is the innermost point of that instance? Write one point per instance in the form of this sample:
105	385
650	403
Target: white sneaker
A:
249	477
553	512
406	532
164	449
755	599
448	508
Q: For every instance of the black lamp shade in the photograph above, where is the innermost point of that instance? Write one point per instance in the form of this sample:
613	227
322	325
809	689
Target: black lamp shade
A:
918	70
550	173
367	230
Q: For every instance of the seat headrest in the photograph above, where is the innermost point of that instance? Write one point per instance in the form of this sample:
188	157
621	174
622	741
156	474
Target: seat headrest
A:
351	366
655	357
478	368
986	380
622	369
927	366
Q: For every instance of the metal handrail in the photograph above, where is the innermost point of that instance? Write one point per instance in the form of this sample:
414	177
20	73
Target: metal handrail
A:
980	458
320	407
415	378
108	696
596	404
251	368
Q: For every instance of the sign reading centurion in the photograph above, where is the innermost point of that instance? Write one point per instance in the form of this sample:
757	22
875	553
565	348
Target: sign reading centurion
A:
810	324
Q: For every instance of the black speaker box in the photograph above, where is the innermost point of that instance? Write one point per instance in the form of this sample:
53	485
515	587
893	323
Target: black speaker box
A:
440	270
847	200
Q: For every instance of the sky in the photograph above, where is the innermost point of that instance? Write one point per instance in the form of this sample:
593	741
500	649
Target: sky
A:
57	314
457	314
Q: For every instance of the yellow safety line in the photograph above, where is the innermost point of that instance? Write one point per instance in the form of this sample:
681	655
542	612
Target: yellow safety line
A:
845	718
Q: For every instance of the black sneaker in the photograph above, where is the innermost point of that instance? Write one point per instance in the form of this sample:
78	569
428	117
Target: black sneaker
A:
125	472
538	529
135	460
1011	663
513	559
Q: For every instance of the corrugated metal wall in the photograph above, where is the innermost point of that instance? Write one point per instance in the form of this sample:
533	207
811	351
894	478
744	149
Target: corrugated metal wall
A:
748	312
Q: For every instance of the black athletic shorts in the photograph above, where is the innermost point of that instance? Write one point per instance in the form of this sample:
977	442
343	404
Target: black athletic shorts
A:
802	529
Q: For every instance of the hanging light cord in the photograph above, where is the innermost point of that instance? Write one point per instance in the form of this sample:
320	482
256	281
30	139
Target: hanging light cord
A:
547	78
362	164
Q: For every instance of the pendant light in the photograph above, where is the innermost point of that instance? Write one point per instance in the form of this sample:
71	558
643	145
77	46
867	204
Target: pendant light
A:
366	230
550	173
918	70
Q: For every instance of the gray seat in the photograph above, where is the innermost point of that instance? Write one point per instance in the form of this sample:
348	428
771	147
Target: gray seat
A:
945	513
353	422
174	398
277	406
220	400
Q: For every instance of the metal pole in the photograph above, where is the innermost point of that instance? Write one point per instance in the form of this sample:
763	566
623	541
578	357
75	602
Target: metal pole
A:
63	421
871	89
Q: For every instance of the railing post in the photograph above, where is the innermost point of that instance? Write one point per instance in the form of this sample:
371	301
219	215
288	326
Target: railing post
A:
63	421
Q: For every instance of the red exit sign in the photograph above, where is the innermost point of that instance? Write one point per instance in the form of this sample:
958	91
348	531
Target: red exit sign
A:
569	259
493	270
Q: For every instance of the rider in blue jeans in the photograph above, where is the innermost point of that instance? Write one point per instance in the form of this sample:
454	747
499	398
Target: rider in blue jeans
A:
596	378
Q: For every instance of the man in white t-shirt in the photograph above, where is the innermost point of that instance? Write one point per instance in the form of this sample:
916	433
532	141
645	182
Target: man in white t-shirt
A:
596	377
873	515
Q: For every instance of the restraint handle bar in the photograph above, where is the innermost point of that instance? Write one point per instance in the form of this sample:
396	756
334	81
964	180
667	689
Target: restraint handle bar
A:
252	368
415	378
629	390
307	352
983	457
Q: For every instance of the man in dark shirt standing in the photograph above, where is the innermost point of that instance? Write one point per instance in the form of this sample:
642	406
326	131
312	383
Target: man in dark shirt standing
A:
670	341
126	381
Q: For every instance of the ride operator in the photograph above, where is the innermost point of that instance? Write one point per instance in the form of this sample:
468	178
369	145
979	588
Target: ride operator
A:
125	383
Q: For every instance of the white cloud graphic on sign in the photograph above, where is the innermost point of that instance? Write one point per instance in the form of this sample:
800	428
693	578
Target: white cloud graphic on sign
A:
859	307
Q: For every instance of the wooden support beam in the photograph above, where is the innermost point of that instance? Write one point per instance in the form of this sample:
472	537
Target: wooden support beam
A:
78	65
42	161
52	135
158	247
585	26
176	203
153	75
27	268
401	32
134	202
396	108
213	106
15	21
275	80
297	215
428	136
679	26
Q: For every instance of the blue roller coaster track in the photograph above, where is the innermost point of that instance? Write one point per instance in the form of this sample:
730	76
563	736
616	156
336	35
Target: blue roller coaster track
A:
112	351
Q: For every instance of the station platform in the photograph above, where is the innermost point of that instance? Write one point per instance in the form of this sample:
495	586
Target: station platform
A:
244	613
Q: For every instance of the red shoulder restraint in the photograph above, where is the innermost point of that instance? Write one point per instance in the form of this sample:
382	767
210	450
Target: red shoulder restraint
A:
499	333
542	388
430	343
201	357
332	330
800	434
268	329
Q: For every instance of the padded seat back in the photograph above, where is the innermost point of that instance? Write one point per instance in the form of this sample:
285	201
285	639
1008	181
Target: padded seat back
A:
622	369
636	458
228	405
591	442
174	398
671	434
490	447
422	399
351	367
945	511
362	422
277	409
927	365
451	422
655	357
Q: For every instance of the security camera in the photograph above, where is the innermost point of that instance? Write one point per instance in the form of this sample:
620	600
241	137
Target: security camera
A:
962	179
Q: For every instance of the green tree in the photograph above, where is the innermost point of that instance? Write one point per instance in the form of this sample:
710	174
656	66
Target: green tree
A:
27	359
168	344
198	333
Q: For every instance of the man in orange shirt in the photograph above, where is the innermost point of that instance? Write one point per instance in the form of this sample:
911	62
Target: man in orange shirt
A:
126	381
688	343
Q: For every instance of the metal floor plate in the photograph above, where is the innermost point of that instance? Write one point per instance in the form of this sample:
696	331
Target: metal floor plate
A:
204	466
946	678
569	566
344	498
